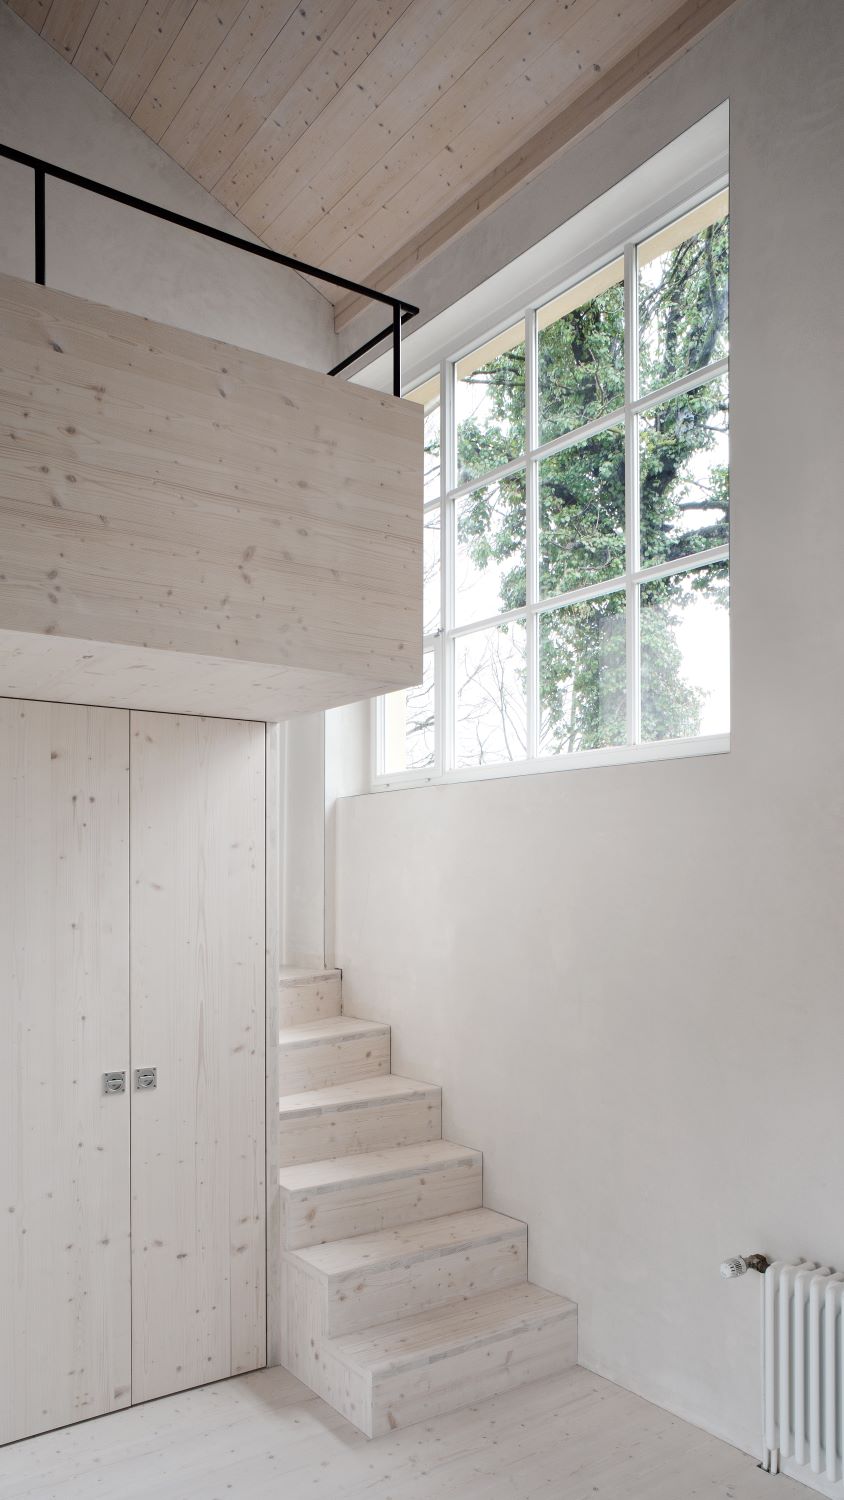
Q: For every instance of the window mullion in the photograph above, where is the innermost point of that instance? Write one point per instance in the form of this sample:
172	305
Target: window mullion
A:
445	706
631	490
376	729
532	534
682	385
685	564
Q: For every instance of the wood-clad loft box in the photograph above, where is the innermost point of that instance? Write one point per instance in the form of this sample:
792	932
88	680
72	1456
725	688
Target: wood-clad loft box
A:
191	526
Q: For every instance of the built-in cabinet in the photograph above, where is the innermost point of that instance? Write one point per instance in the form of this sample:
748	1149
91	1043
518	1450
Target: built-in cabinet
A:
65	1306
132	1058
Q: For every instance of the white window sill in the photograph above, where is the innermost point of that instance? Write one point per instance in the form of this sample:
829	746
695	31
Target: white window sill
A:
623	755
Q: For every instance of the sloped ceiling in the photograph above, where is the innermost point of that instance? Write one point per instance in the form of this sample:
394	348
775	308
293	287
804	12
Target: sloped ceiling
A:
360	135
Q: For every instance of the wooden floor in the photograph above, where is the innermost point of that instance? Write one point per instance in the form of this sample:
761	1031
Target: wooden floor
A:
267	1437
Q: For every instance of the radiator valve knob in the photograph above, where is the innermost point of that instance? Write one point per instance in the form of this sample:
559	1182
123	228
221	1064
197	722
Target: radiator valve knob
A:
735	1267
740	1264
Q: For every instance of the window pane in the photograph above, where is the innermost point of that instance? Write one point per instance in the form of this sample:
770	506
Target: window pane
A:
581	514
581	353
489	399
431	594
685	635
409	724
683	274
491	710
489	573
428	395
684	454
582	676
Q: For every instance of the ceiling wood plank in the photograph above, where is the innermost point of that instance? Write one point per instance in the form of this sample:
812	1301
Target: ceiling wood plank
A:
67	23
419	28
34	12
111	26
506	114
154	33
543	39
279	71
260	23
477	27
184	64
616	85
335	68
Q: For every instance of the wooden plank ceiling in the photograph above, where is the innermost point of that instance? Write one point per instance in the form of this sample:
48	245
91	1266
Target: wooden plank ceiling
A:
359	134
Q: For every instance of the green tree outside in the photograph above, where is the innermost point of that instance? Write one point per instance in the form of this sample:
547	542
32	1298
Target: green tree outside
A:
684	489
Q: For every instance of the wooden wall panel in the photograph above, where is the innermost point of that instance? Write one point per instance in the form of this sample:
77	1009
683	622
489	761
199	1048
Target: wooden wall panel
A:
64	1022
46	666
198	1016
167	493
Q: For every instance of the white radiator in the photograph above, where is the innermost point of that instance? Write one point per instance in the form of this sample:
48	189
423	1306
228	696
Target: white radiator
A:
803	1372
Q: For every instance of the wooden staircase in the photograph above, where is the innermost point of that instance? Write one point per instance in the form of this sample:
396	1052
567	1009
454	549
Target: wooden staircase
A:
402	1296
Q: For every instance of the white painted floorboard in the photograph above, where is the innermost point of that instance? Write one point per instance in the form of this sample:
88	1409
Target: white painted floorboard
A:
267	1437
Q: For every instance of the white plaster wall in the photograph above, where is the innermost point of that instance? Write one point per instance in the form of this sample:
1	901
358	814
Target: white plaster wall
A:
347	772
629	979
111	254
324	757
302	874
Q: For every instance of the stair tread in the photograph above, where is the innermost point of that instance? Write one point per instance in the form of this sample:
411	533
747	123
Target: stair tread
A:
356	1095
417	1241
424	1337
373	1166
332	1028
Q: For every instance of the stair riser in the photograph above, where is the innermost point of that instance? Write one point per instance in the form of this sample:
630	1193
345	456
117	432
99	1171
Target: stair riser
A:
369	1127
303	1355
487	1369
312	1000
369	1298
363	1208
323	1065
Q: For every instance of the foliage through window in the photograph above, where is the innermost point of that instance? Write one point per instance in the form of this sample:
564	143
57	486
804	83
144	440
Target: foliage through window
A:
577	521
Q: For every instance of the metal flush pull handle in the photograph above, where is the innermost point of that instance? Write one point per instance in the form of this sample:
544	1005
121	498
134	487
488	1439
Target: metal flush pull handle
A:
114	1083
146	1078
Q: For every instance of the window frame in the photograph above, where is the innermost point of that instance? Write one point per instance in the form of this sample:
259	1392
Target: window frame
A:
442	642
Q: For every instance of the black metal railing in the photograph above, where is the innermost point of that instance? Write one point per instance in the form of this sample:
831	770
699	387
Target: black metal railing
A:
401	310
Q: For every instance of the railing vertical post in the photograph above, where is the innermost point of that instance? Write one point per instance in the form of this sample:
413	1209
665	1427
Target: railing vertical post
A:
397	349
40	226
41	170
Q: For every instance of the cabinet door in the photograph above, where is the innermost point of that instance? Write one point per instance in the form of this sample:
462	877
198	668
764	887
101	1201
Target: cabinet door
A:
198	1007
64	1022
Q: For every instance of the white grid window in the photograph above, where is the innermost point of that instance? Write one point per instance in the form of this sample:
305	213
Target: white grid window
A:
576	526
